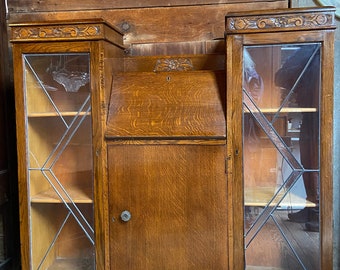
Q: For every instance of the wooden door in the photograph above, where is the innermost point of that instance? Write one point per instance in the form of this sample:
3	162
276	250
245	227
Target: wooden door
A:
176	195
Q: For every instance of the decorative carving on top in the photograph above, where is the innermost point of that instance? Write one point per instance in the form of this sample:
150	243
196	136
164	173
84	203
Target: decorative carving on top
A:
56	31
178	64
305	20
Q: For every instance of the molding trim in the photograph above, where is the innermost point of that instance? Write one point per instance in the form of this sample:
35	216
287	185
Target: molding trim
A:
90	29
315	19
57	32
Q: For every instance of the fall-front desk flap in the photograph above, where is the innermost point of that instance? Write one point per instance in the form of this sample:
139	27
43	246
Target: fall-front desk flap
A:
174	105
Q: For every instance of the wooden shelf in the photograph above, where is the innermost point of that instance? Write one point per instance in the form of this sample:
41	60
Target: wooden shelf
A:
54	114
260	196
287	110
78	195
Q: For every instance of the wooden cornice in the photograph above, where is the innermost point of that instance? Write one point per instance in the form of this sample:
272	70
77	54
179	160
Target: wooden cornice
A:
281	20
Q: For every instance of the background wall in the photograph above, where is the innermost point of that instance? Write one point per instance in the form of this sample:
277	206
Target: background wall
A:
9	224
336	151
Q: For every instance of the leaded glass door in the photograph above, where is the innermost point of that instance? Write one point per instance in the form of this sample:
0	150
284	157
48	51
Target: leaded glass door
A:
281	140
60	174
279	126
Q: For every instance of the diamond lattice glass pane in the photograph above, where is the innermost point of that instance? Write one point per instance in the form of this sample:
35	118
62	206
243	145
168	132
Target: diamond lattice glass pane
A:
60	160
280	143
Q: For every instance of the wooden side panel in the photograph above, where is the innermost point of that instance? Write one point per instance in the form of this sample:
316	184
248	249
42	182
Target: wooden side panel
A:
105	60
176	195
326	175
167	104
234	153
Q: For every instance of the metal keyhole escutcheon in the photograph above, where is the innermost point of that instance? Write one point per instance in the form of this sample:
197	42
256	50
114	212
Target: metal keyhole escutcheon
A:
125	216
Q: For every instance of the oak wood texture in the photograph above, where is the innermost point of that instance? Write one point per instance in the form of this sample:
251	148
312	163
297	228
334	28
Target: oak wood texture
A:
299	30
167	105
177	198
37	204
152	25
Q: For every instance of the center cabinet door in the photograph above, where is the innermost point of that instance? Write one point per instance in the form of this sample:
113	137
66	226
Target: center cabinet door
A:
174	200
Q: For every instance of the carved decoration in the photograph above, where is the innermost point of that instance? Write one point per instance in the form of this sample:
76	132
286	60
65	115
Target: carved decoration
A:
178	64
279	21
64	31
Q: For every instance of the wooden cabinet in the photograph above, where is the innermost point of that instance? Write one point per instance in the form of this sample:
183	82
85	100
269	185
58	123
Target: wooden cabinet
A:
61	73
280	87
153	163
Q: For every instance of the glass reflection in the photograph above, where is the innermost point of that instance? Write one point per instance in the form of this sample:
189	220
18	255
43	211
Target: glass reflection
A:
281	155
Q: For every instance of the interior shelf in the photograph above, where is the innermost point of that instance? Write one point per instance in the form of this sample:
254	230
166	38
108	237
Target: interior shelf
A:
286	110
77	193
54	114
260	196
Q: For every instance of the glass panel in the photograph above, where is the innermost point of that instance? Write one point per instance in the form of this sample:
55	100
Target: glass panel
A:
60	160
281	155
